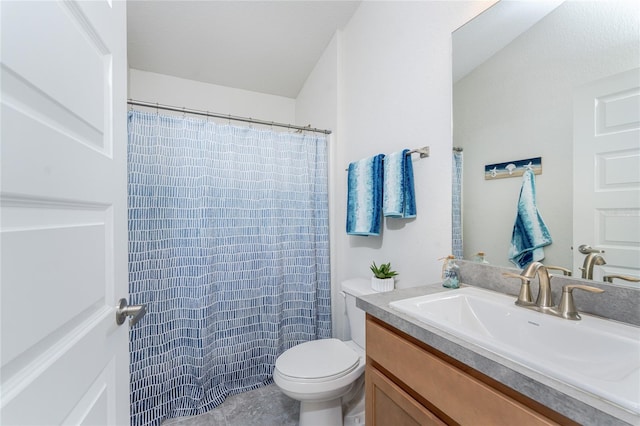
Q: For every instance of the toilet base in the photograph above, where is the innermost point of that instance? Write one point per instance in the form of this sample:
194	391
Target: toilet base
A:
354	405
321	413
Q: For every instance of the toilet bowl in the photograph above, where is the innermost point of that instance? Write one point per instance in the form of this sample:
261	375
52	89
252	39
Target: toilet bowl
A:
318	374
326	374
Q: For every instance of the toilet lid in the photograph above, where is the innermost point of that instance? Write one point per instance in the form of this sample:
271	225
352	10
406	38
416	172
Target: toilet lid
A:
318	359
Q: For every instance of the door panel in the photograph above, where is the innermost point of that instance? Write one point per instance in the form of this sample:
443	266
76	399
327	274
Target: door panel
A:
607	172
78	261
63	213
73	90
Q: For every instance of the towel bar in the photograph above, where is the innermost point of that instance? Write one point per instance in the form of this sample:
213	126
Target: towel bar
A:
424	153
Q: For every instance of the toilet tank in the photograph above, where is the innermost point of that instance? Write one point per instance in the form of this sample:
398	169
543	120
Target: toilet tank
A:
353	288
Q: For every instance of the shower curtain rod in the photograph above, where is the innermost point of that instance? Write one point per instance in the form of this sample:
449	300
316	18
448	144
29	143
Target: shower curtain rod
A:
157	106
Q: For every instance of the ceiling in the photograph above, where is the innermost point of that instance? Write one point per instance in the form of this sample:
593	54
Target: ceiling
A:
268	46
478	40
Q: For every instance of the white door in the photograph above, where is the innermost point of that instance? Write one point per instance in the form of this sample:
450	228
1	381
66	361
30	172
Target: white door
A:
63	213
606	183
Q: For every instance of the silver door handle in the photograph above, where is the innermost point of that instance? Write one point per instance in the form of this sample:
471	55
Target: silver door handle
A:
136	312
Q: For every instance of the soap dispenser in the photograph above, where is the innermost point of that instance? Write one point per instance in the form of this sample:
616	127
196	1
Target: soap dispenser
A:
450	273
479	258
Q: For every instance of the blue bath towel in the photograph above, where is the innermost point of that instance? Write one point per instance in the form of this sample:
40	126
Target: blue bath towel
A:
399	194
364	196
530	233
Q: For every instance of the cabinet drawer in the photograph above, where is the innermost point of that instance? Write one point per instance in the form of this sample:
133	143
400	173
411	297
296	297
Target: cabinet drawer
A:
462	397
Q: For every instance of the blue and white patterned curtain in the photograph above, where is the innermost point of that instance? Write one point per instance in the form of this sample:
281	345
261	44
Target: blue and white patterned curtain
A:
228	247
456	208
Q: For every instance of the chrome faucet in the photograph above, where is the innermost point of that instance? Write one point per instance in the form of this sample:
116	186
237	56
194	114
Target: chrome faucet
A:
544	299
593	258
544	302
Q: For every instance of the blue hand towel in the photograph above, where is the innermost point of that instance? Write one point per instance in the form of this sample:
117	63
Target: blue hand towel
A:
364	196
399	194
530	233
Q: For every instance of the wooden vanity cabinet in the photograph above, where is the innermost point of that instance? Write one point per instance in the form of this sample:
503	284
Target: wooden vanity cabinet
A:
410	383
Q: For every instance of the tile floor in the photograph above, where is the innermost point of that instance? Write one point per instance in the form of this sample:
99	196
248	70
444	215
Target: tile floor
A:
265	406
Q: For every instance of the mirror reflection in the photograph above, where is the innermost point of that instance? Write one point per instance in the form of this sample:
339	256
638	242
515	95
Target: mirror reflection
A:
519	104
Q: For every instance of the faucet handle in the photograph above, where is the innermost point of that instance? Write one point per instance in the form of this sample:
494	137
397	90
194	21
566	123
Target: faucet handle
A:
565	271
524	298
609	278
567	308
514	275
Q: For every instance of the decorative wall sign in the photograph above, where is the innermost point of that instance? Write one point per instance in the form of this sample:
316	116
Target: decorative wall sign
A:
512	168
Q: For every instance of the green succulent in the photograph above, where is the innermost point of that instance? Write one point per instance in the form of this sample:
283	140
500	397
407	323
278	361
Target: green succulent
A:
383	271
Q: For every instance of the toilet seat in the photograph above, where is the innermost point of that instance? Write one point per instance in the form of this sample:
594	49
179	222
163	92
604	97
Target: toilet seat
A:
317	361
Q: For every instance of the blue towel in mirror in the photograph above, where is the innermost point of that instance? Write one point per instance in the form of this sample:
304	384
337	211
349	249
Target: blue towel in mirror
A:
530	234
364	196
399	198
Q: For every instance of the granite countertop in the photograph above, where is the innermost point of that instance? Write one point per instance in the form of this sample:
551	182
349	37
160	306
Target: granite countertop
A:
574	403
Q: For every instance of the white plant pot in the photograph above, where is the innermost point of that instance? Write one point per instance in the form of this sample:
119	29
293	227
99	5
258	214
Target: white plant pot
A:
386	284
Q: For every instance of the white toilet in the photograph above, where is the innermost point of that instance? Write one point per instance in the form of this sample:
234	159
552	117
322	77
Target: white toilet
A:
325	375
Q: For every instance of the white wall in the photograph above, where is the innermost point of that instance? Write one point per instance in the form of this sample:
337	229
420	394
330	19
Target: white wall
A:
394	92
518	105
317	104
175	91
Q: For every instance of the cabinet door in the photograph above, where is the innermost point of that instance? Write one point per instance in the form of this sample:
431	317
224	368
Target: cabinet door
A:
387	404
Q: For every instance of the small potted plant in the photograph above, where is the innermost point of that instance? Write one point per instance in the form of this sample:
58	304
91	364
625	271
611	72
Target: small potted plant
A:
383	277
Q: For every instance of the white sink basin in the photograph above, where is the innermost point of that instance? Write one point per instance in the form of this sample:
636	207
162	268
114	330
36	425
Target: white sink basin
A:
596	355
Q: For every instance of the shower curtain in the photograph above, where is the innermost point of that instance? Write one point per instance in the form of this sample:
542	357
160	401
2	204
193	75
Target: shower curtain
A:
228	247
456	208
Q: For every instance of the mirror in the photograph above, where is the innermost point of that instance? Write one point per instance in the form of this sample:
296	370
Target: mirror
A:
516	102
